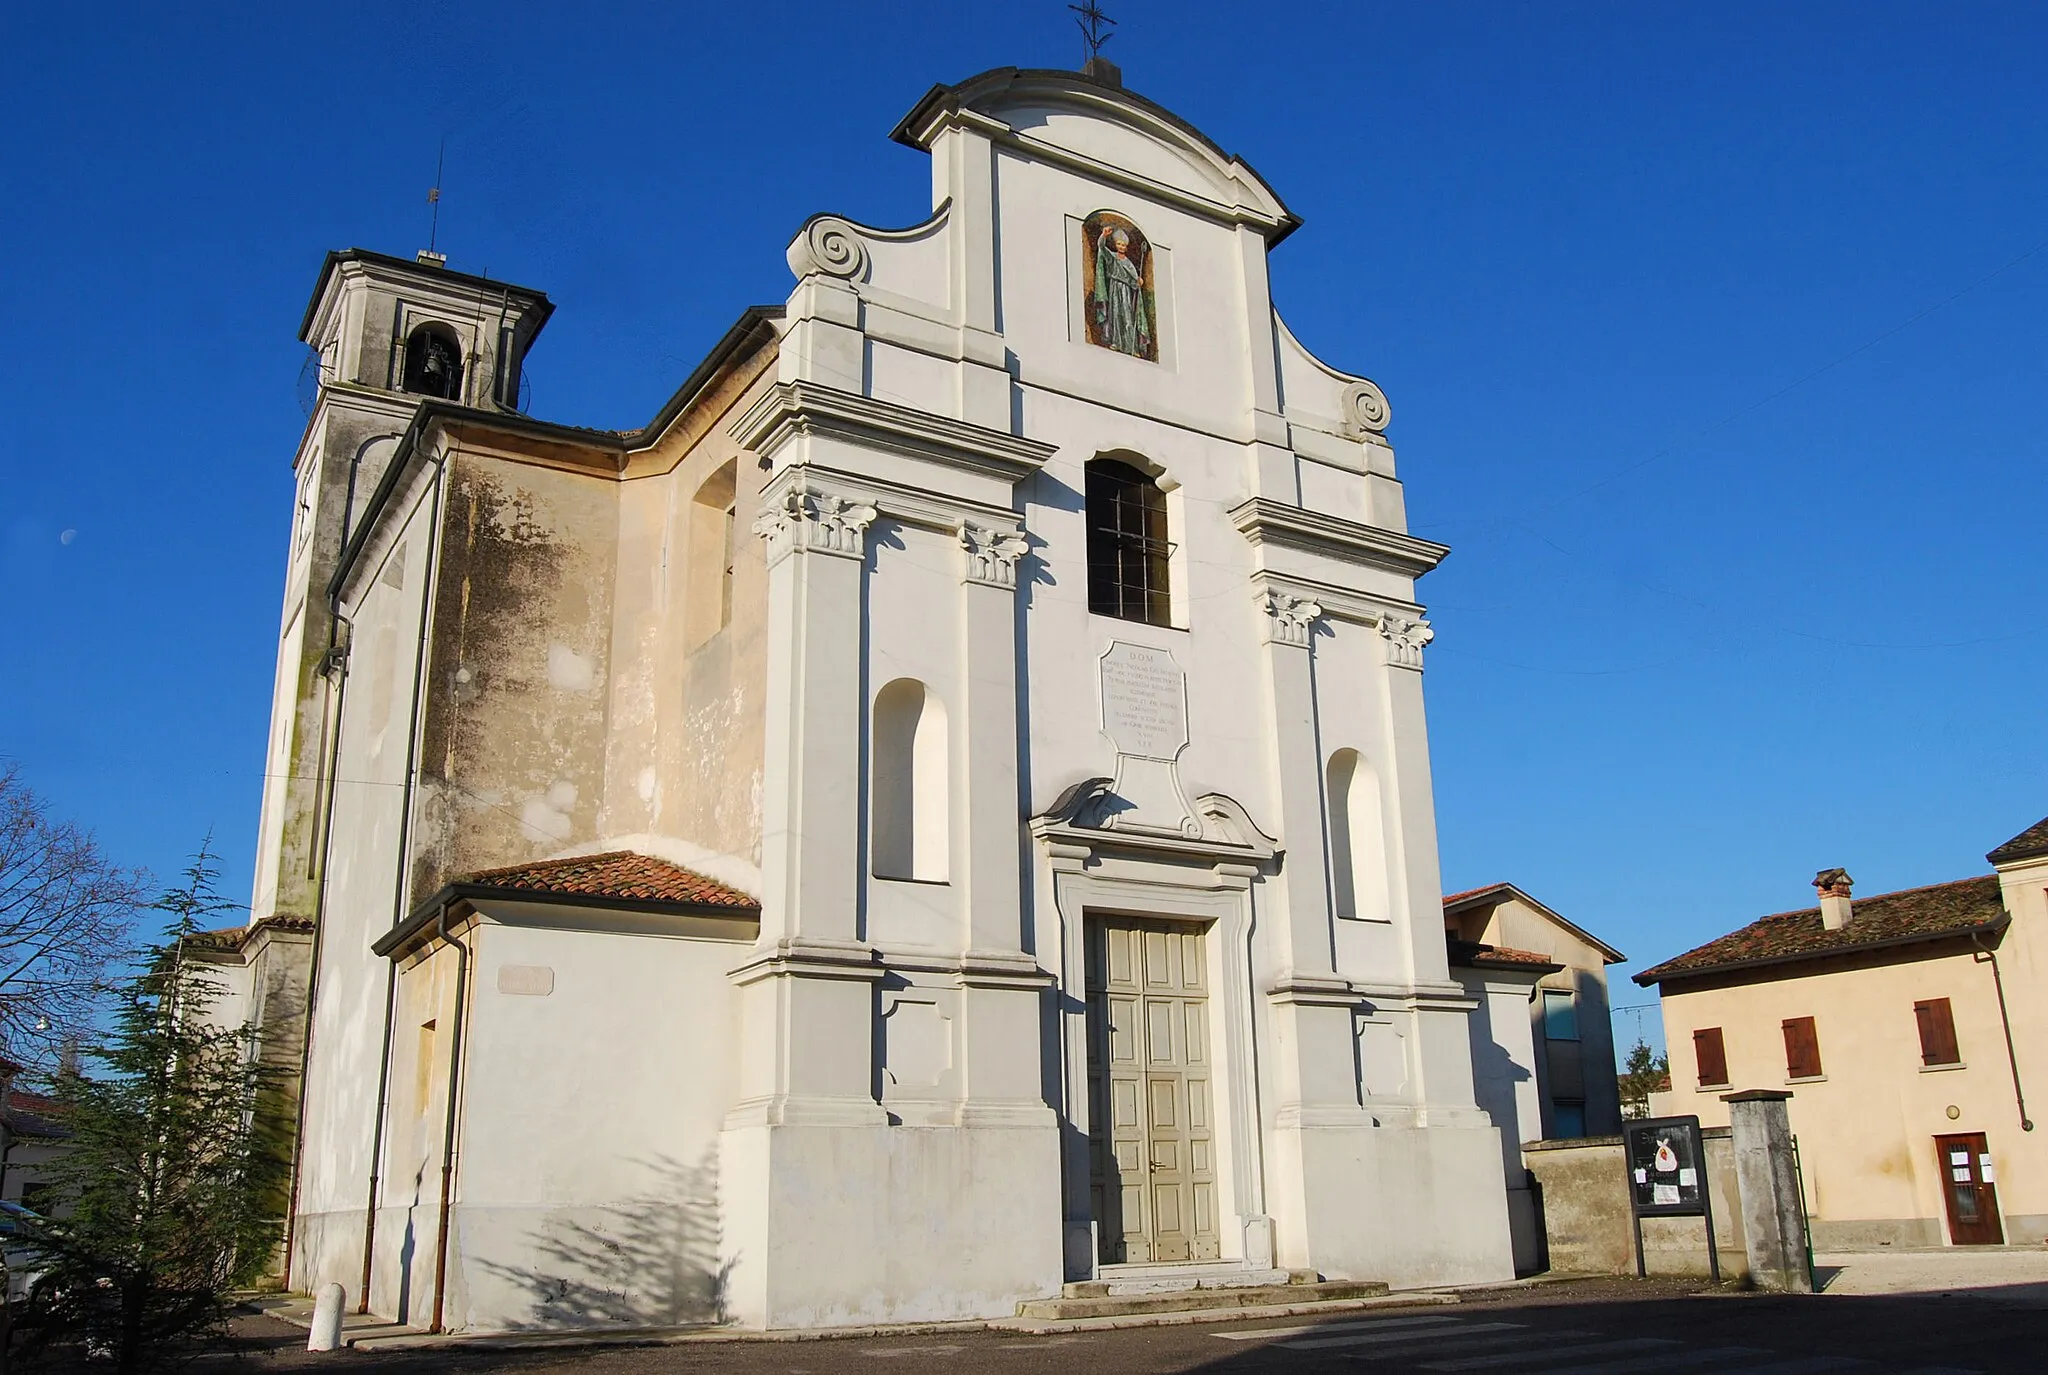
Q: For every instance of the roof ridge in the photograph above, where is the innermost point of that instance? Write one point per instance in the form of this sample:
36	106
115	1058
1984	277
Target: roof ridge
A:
1877	897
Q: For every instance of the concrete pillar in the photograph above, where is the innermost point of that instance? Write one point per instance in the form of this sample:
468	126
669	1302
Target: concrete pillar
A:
1773	1214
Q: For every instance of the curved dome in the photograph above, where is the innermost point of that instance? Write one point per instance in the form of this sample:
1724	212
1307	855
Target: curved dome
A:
1077	119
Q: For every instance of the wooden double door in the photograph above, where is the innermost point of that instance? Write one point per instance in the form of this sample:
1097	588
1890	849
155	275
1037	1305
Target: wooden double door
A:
1970	1189
1152	1142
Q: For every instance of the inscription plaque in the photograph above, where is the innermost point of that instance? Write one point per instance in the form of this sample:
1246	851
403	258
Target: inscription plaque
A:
1144	701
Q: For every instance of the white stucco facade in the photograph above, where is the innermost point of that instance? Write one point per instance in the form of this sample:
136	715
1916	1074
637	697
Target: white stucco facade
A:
955	792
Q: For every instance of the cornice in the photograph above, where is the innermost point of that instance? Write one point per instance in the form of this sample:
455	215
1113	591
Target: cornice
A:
791	409
1265	521
1336	603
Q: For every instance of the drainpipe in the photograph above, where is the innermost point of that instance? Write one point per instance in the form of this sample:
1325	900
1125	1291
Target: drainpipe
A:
1986	954
448	1129
404	866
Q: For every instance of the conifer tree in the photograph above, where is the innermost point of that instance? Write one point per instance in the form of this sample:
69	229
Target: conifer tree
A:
166	1200
1645	1073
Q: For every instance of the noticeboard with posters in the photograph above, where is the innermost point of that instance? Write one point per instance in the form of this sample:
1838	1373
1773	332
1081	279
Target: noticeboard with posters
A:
1667	1168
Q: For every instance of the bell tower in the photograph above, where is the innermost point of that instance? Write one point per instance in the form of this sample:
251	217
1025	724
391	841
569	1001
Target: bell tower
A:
390	336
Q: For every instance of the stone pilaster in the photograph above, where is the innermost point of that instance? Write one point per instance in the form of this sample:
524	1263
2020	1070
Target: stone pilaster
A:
1000	985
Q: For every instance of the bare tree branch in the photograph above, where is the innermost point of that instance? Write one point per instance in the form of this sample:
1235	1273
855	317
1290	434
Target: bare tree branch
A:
65	915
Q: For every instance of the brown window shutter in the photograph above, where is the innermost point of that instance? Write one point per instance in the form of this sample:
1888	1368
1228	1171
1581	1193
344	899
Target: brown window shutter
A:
1937	1032
1711	1056
1802	1048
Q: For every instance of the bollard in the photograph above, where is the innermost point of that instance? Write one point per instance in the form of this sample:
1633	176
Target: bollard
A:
326	1333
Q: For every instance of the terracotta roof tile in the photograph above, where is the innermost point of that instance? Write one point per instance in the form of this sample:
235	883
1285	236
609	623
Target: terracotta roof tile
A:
2027	844
615	874
1941	909
1475	955
1453	898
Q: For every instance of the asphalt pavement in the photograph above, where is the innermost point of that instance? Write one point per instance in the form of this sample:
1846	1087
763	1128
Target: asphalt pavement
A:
1597	1327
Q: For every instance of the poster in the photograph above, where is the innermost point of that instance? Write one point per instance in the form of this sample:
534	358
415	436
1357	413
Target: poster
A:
1666	1166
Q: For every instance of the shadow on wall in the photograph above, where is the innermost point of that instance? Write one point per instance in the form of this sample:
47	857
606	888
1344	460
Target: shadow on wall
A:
648	1261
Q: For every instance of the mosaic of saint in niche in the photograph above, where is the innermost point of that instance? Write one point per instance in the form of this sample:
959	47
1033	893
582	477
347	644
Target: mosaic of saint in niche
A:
1117	286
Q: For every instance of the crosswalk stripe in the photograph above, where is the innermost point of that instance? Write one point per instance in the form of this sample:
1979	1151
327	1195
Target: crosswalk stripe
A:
1410	1336
1374	1324
1709	1356
1526	1357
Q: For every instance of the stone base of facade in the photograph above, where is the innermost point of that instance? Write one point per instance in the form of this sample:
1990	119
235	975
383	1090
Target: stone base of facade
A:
1412	1206
828	1225
1855	1234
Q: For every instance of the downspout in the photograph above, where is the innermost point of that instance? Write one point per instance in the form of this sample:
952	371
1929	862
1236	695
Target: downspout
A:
404	866
448	1130
1985	953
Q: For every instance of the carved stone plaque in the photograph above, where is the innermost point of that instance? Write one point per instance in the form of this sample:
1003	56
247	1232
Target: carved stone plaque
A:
1144	701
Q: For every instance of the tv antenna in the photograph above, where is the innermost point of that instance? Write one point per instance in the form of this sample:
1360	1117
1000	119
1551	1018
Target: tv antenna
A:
1091	21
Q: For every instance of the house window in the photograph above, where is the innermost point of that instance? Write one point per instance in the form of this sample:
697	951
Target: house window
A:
1711	1056
1567	1119
1802	1049
433	363
1560	1015
1127	544
1937	1033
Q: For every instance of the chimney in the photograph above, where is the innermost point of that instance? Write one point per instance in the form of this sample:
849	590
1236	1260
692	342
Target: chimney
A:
1834	897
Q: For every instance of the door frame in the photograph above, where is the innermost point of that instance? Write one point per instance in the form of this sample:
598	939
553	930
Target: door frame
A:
1223	905
1097	930
1987	1189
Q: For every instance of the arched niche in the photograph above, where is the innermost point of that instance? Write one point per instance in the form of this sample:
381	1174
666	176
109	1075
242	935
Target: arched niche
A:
910	811
1358	841
712	549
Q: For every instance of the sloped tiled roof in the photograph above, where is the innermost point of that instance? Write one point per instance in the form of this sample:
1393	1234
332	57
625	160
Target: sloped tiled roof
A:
1914	914
614	874
1505	890
1475	955
235	937
2027	844
32	1114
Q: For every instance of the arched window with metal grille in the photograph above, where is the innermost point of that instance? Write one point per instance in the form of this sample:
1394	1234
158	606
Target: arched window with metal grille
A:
1128	548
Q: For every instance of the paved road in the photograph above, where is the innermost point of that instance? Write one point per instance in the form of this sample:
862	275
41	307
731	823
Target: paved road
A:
1598	1328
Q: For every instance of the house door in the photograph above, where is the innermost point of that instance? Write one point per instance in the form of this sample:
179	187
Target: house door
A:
1152	1144
1967	1184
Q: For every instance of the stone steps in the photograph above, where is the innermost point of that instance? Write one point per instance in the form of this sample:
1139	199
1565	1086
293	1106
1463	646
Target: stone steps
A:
1213	1298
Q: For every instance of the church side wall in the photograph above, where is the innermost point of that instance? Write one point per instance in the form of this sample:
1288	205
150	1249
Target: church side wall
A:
689	710
346	1044
513	741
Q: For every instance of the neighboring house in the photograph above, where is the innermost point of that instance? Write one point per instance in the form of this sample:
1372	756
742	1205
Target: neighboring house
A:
1571	1030
1907	1027
940	810
31	1136
1542	1048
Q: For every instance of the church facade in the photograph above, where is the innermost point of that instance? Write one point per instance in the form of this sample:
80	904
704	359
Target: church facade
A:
940	812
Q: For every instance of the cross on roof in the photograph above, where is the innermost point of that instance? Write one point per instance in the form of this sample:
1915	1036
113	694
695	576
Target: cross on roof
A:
1091	21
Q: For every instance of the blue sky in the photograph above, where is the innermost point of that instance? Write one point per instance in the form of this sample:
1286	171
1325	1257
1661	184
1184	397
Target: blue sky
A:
1714	337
